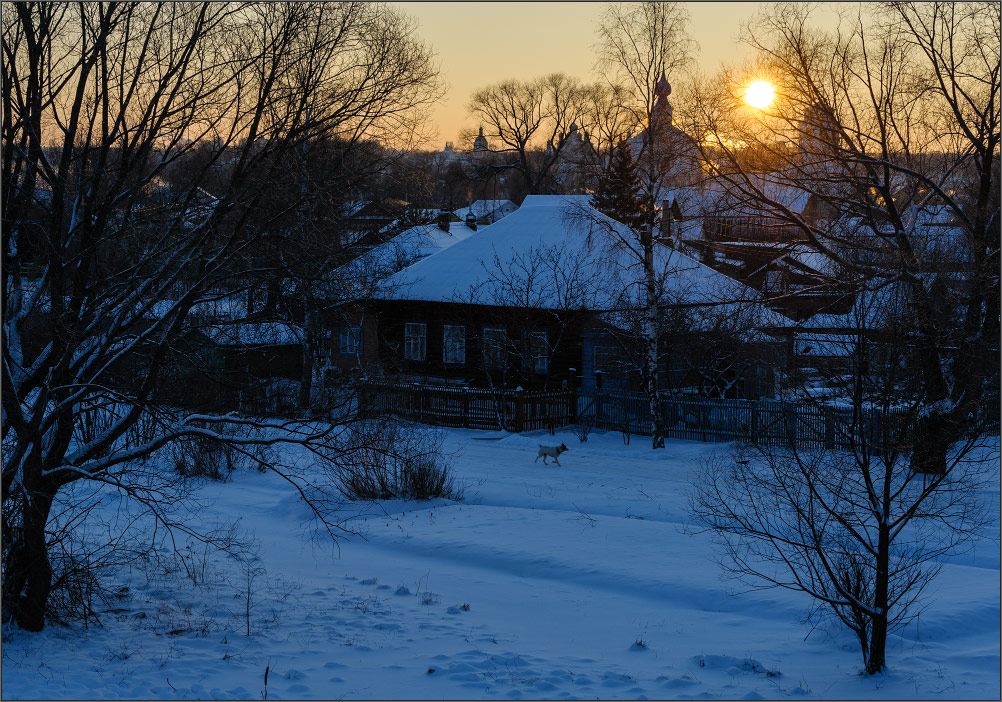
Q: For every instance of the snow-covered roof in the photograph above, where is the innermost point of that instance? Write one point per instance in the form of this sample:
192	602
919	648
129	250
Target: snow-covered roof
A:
417	243
718	197
556	235
360	276
482	208
871	308
253	334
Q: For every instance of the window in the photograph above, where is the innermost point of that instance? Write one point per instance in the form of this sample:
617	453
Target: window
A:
415	341
453	343
325	343
536	352
349	341
495	348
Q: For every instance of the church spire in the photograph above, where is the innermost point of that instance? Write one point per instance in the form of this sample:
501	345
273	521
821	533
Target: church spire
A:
661	113
480	143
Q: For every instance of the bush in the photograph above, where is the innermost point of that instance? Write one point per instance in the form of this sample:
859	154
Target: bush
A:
198	457
389	460
77	587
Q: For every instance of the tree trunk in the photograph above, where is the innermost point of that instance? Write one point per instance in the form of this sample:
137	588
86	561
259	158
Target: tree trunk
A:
651	388
878	627
27	578
933	435
306	376
651	339
878	642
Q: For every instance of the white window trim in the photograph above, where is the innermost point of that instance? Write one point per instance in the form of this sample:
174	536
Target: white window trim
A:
502	349
420	339
459	340
537	363
352	334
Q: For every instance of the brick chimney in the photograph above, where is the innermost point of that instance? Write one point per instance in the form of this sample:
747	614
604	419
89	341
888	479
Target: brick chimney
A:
444	216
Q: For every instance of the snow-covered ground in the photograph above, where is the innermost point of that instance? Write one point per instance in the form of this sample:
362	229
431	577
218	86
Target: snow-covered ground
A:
580	581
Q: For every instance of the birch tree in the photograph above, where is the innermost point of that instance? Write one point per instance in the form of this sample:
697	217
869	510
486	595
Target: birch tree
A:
640	44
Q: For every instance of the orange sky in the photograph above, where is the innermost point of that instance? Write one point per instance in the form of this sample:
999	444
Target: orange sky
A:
479	43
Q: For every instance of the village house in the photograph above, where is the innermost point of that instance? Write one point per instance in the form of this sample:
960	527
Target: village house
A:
520	303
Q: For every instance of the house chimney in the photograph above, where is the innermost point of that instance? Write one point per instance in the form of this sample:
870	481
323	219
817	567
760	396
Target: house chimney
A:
443	219
667	230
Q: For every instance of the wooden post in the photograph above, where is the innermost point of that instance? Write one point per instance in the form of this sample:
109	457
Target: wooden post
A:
518	411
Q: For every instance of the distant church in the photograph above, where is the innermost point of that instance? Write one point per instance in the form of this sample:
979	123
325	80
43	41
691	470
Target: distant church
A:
663	146
480	143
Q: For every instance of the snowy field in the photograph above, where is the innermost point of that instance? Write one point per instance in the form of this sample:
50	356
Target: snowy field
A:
572	582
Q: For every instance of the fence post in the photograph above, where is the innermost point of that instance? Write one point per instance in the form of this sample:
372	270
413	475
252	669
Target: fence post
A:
465	408
518	411
790	420
754	423
829	430
573	409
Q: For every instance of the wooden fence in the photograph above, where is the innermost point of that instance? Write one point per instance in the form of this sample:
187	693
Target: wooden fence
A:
766	422
470	408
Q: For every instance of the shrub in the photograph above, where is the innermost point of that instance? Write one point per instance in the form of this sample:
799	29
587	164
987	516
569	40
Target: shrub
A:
198	457
389	460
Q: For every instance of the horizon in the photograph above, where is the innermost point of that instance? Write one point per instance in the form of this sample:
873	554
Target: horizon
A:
454	31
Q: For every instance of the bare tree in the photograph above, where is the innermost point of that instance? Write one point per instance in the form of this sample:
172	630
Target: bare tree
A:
856	529
610	120
888	128
101	272
640	43
532	121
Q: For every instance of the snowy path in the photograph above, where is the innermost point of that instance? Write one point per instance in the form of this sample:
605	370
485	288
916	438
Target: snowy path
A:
537	585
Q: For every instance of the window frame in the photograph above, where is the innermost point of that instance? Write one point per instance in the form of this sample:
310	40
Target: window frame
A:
456	342
499	344
349	341
537	363
420	339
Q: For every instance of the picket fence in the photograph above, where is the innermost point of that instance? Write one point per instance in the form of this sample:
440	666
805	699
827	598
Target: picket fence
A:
763	422
469	408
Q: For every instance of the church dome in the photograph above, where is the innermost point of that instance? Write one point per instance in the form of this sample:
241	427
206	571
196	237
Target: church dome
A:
480	143
662	88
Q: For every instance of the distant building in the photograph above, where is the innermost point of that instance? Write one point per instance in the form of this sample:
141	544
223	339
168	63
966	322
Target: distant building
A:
480	143
663	148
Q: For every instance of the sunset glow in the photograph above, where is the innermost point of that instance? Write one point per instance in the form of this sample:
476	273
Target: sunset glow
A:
760	94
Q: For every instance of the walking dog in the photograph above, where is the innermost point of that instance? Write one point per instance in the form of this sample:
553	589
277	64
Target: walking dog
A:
550	452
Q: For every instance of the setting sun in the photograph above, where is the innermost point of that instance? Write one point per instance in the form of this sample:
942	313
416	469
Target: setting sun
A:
760	94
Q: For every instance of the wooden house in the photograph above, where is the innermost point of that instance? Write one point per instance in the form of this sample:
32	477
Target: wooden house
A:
510	305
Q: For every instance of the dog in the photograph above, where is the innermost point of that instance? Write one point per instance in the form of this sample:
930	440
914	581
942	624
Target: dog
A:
550	452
